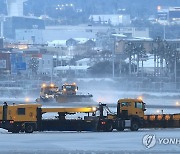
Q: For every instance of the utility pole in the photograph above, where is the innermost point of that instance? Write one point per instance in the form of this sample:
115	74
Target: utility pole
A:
2	25
52	75
175	71
164	31
52	70
113	56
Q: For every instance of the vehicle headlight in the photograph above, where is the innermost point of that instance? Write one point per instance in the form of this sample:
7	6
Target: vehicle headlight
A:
94	108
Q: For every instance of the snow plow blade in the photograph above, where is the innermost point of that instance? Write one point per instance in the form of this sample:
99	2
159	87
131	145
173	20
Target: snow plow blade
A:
162	121
73	98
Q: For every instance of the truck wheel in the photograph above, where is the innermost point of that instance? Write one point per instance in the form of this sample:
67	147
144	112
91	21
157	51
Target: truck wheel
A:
134	126
29	128
109	127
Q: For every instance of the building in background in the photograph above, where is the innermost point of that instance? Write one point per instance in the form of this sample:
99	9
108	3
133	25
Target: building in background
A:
111	19
1	43
45	66
16	20
84	62
162	14
51	33
133	32
15	7
5	63
166	15
71	71
174	14
34	36
11	24
18	63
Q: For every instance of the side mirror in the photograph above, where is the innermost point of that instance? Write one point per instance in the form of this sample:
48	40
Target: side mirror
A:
144	109
62	87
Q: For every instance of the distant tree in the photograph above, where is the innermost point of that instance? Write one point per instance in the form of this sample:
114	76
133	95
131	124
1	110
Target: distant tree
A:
105	55
172	57
129	51
92	20
159	55
109	22
140	55
103	68
33	65
100	21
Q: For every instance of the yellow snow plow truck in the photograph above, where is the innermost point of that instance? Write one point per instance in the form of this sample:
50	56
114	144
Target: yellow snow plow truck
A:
67	93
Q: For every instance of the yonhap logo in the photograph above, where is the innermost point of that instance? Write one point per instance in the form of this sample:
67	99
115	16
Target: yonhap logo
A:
149	141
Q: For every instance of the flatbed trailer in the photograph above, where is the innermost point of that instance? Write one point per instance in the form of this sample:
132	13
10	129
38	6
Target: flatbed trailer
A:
62	123
29	117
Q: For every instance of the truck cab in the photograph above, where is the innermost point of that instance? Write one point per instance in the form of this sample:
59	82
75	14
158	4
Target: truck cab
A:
69	89
48	91
132	110
130	107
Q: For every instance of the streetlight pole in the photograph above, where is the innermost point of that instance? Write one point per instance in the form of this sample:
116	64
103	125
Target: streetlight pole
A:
52	70
164	32
113	56
2	25
175	71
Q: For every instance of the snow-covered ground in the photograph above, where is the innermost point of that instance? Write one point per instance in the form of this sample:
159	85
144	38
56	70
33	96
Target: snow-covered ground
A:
87	142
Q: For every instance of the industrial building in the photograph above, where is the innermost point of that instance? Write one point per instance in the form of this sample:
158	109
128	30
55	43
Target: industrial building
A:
111	19
168	14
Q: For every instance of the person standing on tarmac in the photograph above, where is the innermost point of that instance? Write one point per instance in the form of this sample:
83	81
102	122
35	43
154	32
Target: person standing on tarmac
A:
5	104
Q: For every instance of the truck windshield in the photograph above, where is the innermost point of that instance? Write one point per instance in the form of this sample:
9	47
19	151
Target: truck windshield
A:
50	90
69	87
125	104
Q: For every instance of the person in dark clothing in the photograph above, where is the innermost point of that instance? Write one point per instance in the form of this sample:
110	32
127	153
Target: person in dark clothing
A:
5	104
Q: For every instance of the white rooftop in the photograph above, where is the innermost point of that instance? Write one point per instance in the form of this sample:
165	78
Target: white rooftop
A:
81	40
63	68
57	42
83	60
119	35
